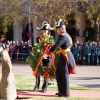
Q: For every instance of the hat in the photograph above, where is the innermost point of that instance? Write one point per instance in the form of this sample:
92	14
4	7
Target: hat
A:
60	23
45	26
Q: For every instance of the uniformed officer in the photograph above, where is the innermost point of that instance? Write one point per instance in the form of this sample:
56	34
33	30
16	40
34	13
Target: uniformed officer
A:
45	62
96	54
66	62
87	53
92	52
76	52
82	54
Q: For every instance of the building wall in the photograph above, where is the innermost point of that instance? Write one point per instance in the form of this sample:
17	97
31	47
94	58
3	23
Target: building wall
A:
79	26
17	31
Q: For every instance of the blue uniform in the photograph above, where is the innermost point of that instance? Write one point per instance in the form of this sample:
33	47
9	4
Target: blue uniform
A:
87	54
62	71
96	55
92	55
76	52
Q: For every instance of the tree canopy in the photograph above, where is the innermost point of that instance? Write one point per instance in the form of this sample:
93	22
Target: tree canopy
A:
51	10
91	8
9	13
46	10
41	10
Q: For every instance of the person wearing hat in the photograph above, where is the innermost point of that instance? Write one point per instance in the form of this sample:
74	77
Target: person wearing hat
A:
46	62
66	64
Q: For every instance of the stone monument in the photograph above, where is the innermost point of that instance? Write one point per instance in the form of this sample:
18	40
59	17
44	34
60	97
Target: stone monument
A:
7	84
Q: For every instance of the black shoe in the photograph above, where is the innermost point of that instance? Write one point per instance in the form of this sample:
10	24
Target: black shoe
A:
35	89
57	93
44	91
60	95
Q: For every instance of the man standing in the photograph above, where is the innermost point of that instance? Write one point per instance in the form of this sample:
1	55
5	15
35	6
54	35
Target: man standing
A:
66	63
87	53
96	54
76	52
45	62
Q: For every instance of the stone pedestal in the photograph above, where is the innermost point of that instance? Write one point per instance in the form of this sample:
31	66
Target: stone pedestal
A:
7	84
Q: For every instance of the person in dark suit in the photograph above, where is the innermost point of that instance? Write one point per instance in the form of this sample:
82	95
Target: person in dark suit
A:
96	54
45	62
87	53
66	63
76	52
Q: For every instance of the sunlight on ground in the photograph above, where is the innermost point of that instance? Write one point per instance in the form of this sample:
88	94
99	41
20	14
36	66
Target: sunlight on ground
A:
28	82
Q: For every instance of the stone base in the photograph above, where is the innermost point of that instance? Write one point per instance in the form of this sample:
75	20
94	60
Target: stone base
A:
7	84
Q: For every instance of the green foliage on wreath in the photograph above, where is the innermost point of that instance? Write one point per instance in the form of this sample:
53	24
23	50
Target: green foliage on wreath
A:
35	56
51	72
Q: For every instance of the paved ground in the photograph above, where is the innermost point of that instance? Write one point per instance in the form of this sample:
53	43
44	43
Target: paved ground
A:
86	75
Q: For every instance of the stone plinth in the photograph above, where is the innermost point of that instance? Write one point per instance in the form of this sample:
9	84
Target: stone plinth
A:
7	84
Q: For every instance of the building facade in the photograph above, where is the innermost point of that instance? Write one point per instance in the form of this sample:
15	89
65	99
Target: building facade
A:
80	30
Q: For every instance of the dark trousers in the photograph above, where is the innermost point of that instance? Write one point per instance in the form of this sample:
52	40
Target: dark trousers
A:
46	62
96	60
14	57
37	84
62	77
87	60
92	59
76	58
99	59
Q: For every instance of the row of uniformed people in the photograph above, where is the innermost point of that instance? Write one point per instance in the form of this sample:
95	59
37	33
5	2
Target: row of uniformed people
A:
88	54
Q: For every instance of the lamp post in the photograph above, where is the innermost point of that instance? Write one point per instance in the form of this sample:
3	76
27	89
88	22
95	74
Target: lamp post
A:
30	32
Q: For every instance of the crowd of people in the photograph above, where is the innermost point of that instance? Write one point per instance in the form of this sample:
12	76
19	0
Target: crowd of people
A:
84	54
18	50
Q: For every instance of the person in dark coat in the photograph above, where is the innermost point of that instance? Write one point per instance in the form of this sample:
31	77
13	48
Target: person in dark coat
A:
87	53
76	52
45	62
96	54
66	64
